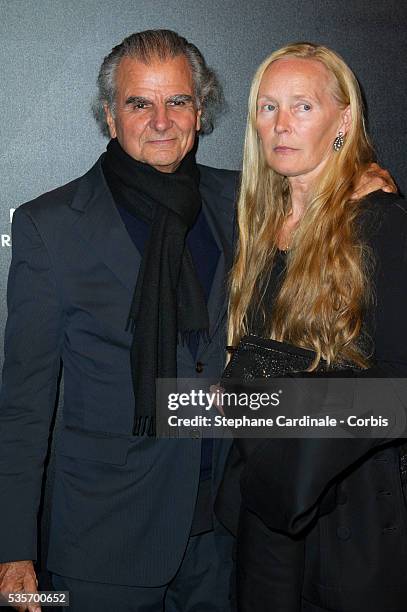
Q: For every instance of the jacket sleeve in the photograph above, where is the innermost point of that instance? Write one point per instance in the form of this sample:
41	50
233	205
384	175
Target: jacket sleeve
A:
27	397
290	482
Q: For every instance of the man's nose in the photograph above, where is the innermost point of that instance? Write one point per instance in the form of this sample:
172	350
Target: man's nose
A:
282	121
160	120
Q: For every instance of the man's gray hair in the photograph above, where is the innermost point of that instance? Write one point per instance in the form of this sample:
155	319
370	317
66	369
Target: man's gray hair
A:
162	44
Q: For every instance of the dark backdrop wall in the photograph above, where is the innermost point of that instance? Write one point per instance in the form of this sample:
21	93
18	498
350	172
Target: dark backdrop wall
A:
50	52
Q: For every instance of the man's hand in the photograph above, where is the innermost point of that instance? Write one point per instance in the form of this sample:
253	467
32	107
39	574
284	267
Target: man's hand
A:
374	178
217	391
19	576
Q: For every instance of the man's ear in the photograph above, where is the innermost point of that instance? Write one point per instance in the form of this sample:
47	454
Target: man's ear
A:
110	121
346	120
198	120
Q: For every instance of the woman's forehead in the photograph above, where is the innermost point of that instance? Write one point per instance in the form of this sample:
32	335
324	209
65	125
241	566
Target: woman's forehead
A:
295	69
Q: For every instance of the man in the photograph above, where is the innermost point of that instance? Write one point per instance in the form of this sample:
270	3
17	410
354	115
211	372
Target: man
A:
107	273
131	525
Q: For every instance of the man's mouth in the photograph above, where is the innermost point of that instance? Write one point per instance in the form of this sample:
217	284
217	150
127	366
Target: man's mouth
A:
161	141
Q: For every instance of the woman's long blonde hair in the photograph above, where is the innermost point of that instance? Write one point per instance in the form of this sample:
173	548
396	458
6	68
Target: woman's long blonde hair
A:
321	302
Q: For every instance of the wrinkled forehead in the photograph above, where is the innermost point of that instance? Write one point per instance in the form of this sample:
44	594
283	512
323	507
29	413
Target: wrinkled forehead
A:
168	76
135	68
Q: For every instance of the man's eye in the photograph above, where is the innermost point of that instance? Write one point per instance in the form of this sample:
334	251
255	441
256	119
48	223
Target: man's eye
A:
269	107
305	107
140	105
177	103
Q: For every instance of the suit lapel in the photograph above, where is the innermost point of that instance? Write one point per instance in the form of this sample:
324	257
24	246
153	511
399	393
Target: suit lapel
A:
102	227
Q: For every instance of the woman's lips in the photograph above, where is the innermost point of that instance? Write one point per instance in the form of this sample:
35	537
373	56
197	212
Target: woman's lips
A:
282	149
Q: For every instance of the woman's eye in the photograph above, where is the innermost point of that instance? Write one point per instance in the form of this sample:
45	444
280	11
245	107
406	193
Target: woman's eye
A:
306	107
269	107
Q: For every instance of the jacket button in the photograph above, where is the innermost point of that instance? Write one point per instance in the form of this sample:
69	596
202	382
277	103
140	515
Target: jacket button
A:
343	533
199	366
195	433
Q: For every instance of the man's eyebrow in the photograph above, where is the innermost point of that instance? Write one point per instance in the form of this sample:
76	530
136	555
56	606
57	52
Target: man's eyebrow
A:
137	100
181	98
132	100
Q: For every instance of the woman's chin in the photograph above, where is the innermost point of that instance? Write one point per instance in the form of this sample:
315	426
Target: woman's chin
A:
286	169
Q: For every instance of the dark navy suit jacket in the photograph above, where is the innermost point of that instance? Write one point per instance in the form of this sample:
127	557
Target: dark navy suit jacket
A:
122	507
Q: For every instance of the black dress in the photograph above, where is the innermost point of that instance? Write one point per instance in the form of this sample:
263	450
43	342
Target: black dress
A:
322	523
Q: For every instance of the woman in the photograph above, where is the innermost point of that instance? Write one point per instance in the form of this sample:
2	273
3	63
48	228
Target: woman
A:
323	522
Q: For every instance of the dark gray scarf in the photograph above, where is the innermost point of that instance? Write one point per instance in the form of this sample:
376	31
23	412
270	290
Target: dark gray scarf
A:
168	302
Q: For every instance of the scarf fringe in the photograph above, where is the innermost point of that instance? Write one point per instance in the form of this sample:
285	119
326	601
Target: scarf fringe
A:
144	426
131	324
186	337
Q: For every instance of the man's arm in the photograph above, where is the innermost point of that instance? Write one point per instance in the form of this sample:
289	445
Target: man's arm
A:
32	361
